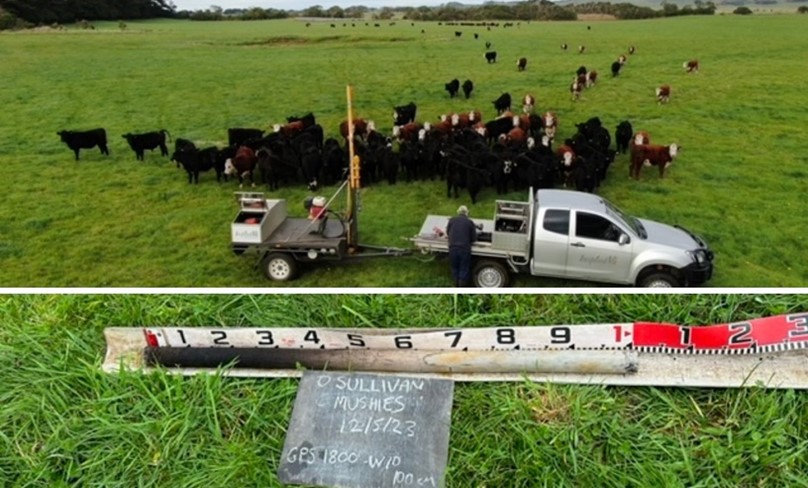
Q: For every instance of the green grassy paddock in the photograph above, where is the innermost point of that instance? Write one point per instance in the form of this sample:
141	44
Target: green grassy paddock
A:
112	221
64	423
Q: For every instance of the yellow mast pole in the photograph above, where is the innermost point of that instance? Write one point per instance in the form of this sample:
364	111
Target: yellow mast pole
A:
354	181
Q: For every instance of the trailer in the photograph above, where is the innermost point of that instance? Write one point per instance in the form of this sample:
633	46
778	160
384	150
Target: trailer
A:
263	227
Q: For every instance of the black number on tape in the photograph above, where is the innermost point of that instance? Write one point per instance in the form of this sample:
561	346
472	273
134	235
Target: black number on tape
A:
685	339
182	336
311	336
506	336
356	340
455	334
741	333
560	335
220	337
800	326
403	342
265	337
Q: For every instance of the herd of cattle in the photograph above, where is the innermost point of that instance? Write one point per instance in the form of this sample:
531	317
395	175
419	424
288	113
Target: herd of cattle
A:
511	151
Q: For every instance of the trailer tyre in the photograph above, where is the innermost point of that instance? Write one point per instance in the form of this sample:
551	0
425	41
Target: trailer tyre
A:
659	280
490	274
280	267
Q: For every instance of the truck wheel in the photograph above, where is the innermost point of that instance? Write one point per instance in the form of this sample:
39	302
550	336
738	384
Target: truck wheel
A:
490	274
280	267
659	280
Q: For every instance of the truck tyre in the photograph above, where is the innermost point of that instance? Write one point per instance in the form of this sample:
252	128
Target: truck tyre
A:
280	267
490	274
659	280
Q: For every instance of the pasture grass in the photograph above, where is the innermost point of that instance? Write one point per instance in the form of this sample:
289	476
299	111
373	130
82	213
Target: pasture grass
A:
114	222
64	423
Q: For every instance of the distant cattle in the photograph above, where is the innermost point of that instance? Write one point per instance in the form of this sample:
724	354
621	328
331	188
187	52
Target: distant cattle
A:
691	66
458	33
591	78
550	124
581	49
147	140
488	44
663	94
581	71
491	56
616	68
528	103
521	64
651	155
452	87
77	140
242	164
564	46
404	114
502	103
622	59
468	87
576	87
237	136
622	136
631	49
641	137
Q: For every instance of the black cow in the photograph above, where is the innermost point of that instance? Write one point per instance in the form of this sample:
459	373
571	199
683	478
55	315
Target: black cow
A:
521	64
458	33
622	136
468	87
404	114
491	57
238	136
581	71
77	140
502	103
488	44
307	120
616	68
147	140
195	160
498	127
452	87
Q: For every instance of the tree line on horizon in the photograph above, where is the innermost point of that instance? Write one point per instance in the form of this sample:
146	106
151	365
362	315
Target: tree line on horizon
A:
15	14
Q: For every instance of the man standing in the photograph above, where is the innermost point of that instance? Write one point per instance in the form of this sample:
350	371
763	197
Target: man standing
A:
461	233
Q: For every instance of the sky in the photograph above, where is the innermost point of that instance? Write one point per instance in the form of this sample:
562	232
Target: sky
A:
302	4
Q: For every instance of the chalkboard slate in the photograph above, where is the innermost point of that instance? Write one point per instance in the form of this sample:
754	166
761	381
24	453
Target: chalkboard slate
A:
351	430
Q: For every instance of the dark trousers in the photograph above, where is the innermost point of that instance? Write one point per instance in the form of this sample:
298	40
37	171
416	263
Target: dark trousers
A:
460	263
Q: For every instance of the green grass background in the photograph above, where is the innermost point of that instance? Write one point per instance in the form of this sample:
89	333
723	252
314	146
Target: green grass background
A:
64	423
115	222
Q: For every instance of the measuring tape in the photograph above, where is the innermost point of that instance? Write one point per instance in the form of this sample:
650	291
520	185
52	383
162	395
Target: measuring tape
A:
762	335
769	351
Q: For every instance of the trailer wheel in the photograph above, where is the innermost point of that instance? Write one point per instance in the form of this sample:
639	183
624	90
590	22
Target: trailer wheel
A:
659	280
490	274
280	267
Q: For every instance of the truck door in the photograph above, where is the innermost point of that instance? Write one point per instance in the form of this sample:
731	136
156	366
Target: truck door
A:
594	250
551	243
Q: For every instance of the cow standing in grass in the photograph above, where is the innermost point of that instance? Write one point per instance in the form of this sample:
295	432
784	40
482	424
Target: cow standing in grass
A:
77	140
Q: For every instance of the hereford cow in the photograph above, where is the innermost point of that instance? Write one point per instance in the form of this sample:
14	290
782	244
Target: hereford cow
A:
641	137
502	103
521	64
528	103
407	132
575	88
691	66
564	46
77	140
622	136
452	87
147	140
651	155
581	49
663	94
631	49
591	78
468	86
550	124
360	127
404	114
622	59
242	164
491	57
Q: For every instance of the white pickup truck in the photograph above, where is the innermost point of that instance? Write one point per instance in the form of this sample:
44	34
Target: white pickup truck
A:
574	235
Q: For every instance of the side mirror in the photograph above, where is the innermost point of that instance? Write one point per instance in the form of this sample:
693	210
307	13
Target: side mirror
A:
623	239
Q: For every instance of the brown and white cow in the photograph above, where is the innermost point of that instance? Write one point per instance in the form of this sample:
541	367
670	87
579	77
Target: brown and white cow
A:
641	137
591	78
521	64
651	155
550	124
576	87
631	49
581	49
242	164
360	127
691	66
663	94
407	132
622	59
567	156
528	103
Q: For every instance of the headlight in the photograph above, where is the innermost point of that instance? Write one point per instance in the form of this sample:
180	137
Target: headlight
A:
699	256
